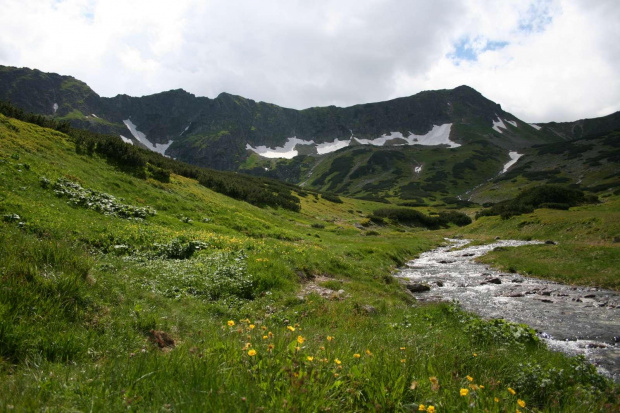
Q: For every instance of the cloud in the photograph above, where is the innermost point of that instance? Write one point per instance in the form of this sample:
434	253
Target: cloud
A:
541	59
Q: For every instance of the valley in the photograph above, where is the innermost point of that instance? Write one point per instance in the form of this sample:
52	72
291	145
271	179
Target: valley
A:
136	281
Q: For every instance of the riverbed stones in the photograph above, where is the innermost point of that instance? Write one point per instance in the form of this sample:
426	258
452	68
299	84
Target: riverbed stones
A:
550	242
417	287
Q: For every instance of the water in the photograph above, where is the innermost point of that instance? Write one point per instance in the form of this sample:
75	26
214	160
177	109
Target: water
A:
575	320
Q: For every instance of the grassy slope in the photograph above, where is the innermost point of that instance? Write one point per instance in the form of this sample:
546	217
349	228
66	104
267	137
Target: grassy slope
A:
74	320
587	251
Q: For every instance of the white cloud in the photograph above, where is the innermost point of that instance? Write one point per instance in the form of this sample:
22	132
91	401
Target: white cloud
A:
556	59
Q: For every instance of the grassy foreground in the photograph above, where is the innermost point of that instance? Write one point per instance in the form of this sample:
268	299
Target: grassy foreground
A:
105	306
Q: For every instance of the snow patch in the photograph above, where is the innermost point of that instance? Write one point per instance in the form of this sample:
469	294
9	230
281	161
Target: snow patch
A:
512	122
55	107
514	157
126	140
438	135
499	124
186	128
94	116
418	169
287	151
141	137
535	126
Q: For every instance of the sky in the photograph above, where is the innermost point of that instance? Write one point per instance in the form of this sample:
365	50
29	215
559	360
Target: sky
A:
542	60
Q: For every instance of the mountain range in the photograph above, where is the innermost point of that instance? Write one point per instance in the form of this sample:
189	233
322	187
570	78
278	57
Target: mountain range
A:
434	145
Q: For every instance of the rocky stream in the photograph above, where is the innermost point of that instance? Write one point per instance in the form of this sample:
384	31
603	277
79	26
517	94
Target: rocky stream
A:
575	320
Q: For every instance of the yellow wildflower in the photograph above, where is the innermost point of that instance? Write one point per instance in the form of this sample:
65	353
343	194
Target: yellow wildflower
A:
356	355
300	339
270	347
336	374
475	355
310	358
511	391
481	386
430	409
252	353
330	338
270	334
520	402
252	326
422	408
470	378
263	327
265	337
368	353
403	360
496	400
247	346
337	361
464	392
322	348
290	328
402	348
230	323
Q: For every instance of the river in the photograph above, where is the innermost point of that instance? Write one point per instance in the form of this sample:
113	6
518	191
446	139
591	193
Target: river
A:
575	320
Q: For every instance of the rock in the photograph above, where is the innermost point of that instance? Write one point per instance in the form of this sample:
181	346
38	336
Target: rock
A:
493	281
517	280
368	309
546	301
547	293
439	283
596	345
515	295
549	242
446	261
471	254
497	237
418	288
589	296
161	338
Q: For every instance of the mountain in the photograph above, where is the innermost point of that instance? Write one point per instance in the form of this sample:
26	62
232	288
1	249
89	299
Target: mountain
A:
428	147
222	132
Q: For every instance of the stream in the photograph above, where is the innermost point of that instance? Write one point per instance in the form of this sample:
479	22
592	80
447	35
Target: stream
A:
574	320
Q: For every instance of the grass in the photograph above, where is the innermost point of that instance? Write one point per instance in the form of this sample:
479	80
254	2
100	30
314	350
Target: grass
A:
84	294
587	252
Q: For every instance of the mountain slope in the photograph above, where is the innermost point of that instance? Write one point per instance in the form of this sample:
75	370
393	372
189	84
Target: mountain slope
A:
223	132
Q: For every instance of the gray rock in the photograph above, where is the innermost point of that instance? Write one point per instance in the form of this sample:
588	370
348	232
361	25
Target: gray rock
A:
368	309
418	288
549	242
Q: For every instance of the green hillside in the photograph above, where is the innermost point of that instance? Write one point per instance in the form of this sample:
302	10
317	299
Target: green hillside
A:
123	287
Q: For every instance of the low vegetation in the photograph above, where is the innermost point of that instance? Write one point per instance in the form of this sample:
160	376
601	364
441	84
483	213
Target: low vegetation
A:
213	303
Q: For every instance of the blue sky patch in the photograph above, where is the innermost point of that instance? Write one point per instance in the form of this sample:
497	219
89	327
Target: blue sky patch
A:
469	49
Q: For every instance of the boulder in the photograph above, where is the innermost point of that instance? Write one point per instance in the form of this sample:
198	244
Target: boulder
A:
418	288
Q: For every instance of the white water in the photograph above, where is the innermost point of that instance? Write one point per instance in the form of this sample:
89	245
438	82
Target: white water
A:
575	320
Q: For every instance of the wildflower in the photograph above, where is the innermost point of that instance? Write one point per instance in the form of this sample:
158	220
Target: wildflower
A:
270	334
496	400
464	392
511	391
475	355
403	348
290	328
252	326
230	323
337	361
300	339
481	386
520	402
470	378
252	353
309	358
263	327
336	374
322	348
434	383
356	355
330	338
368	353
247	346
265	337
270	347
403	360
297	348
422	408
474	387
430	409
